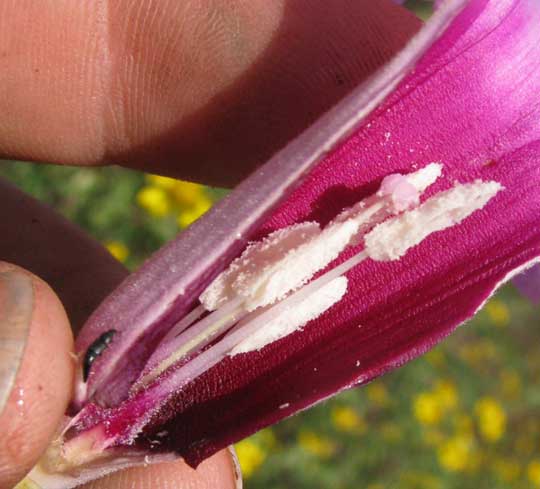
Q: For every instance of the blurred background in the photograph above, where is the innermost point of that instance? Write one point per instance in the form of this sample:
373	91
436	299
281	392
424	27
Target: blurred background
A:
466	415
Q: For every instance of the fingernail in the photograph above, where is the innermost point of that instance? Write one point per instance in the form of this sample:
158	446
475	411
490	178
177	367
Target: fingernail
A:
236	467
16	305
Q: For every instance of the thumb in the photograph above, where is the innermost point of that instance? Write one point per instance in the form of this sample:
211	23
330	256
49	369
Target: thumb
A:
35	343
218	472
35	370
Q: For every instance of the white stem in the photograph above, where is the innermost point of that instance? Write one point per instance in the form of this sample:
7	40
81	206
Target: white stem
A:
188	320
198	336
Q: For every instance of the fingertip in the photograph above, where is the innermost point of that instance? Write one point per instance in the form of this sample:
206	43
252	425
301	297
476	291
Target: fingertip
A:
218	472
42	386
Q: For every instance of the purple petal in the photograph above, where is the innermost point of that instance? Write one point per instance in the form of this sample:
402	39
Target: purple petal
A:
528	283
472	104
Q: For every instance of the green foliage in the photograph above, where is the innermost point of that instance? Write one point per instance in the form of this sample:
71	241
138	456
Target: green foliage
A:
102	201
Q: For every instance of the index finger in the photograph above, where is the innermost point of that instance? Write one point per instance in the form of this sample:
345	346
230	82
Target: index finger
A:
202	90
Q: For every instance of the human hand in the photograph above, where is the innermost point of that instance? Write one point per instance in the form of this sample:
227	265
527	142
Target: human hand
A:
36	359
172	88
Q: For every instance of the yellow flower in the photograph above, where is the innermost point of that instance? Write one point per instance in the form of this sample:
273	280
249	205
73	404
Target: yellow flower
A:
506	470
533	472
427	408
498	312
165	195
162	193
154	200
316	444
118	250
165	183
188	216
454	454
491	419
188	194
446	394
346	419
377	394
250	455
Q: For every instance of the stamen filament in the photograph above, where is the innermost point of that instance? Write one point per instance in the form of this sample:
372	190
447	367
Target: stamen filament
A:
186	321
198	336
213	355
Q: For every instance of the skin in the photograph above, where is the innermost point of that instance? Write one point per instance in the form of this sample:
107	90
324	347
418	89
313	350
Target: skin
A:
171	87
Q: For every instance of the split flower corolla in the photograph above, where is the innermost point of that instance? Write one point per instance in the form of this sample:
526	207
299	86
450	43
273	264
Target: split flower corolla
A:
358	247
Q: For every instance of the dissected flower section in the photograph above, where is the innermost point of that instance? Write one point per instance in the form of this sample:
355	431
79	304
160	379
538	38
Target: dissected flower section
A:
460	107
242	320
350	253
269	270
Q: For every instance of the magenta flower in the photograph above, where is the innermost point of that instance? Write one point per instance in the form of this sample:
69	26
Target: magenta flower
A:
373	236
